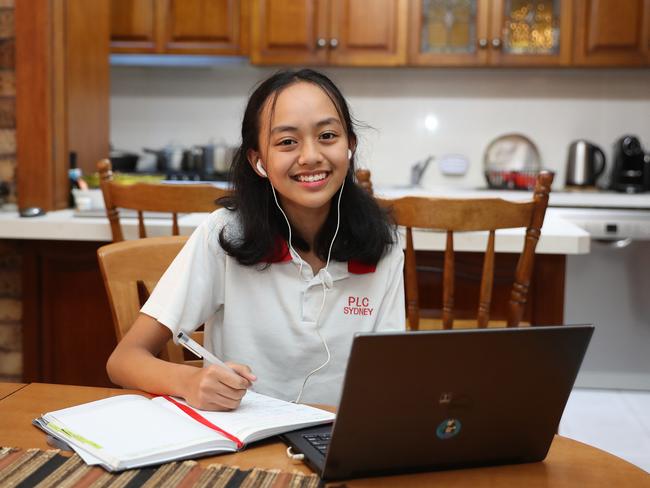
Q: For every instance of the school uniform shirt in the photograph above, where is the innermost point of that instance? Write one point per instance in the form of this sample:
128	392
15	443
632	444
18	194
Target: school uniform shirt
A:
266	317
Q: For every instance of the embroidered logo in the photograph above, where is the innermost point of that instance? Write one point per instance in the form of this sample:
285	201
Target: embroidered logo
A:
358	306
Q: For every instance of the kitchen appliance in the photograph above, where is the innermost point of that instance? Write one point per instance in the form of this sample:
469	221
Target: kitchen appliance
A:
124	161
631	166
609	286
585	163
208	162
168	158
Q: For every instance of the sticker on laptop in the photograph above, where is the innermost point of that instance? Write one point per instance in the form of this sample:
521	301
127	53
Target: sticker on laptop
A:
448	428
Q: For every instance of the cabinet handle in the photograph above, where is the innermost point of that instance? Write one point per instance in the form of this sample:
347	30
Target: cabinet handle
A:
496	43
334	43
321	42
482	43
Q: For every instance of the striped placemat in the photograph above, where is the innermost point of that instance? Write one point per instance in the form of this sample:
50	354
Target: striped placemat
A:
24	468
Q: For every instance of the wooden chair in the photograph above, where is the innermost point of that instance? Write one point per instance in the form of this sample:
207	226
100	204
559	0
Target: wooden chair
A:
153	197
130	270
458	215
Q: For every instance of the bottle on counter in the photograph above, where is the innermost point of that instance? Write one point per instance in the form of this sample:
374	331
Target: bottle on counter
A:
76	181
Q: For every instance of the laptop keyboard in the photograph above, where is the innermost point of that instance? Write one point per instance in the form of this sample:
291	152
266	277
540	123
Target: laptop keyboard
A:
319	441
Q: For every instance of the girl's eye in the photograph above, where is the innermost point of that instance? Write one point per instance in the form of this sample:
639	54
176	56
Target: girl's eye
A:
328	135
286	142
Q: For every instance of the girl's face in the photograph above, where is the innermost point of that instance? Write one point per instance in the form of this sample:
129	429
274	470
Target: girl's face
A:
303	147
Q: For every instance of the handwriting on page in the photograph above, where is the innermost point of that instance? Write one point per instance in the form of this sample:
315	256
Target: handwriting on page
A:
260	412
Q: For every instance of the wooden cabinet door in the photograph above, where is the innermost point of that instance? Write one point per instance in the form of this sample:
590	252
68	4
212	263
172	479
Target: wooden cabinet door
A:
530	33
448	34
289	31
68	331
202	27
368	32
134	25
612	33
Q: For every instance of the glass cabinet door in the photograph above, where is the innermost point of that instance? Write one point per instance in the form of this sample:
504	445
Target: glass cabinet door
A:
449	32
530	32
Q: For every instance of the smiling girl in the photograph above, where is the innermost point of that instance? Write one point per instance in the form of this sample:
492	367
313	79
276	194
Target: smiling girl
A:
299	259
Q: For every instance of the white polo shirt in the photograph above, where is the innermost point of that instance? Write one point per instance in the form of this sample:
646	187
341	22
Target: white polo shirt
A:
266	318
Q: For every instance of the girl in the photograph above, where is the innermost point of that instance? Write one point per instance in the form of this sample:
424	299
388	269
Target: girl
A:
299	260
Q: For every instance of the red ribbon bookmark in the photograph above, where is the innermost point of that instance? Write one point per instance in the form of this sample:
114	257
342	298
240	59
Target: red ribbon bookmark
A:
200	418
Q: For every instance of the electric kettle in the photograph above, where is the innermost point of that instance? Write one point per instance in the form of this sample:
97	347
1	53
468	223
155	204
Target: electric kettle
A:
585	163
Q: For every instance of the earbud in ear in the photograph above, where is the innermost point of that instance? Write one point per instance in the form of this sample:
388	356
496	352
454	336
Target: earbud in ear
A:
349	153
261	169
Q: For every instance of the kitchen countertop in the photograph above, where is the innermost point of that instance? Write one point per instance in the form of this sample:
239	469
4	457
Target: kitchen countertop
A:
559	198
558	235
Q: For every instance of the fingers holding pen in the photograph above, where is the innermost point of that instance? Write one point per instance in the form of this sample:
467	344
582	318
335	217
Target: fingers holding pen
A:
243	371
218	387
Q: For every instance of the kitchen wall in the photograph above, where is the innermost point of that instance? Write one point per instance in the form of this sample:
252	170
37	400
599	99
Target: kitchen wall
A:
412	113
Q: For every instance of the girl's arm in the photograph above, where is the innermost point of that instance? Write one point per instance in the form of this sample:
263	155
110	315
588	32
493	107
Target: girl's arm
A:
133	364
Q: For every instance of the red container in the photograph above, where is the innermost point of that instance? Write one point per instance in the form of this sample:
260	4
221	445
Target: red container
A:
511	180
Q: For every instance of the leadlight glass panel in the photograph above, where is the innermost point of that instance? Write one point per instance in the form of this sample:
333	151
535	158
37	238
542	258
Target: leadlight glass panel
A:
532	27
448	26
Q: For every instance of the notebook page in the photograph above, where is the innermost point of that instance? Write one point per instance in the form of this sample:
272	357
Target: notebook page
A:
131	426
258	413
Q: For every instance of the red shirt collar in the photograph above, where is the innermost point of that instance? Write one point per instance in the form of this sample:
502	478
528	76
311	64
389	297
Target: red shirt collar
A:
281	254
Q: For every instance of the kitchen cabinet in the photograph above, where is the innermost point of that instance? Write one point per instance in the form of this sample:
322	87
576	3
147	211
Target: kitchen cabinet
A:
62	95
68	331
544	302
612	33
329	32
179	26
134	26
490	33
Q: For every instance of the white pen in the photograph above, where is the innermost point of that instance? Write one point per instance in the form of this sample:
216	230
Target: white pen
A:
198	350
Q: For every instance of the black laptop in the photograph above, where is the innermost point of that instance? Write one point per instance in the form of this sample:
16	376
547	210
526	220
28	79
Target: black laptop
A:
419	401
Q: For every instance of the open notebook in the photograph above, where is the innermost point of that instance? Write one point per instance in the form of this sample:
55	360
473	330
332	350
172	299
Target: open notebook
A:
129	431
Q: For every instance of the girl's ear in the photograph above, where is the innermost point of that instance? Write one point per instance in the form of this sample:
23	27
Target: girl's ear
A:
352	145
253	157
351	148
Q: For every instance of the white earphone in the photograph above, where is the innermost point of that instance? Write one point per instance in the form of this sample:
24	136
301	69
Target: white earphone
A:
349	153
261	169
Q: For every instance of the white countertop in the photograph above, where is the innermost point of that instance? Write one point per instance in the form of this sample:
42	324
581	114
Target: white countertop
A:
573	199
558	235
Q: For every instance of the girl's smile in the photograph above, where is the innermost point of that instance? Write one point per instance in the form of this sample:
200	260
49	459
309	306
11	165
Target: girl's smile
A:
314	179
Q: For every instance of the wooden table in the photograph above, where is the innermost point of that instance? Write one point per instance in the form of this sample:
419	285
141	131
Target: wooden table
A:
569	464
7	389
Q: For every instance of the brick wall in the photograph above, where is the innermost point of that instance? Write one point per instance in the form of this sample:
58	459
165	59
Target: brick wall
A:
10	312
7	103
10	277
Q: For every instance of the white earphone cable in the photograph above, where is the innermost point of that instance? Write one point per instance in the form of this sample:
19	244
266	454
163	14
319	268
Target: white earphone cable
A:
325	290
286	219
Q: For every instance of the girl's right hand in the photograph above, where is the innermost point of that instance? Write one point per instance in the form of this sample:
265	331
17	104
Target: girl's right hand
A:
217	388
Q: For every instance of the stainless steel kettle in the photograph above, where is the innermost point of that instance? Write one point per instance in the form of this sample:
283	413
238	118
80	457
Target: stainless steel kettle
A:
585	163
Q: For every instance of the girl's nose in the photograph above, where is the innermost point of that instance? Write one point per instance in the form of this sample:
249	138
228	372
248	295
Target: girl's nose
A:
309	154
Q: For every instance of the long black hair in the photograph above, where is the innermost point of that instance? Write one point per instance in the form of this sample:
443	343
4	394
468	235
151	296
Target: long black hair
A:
365	231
